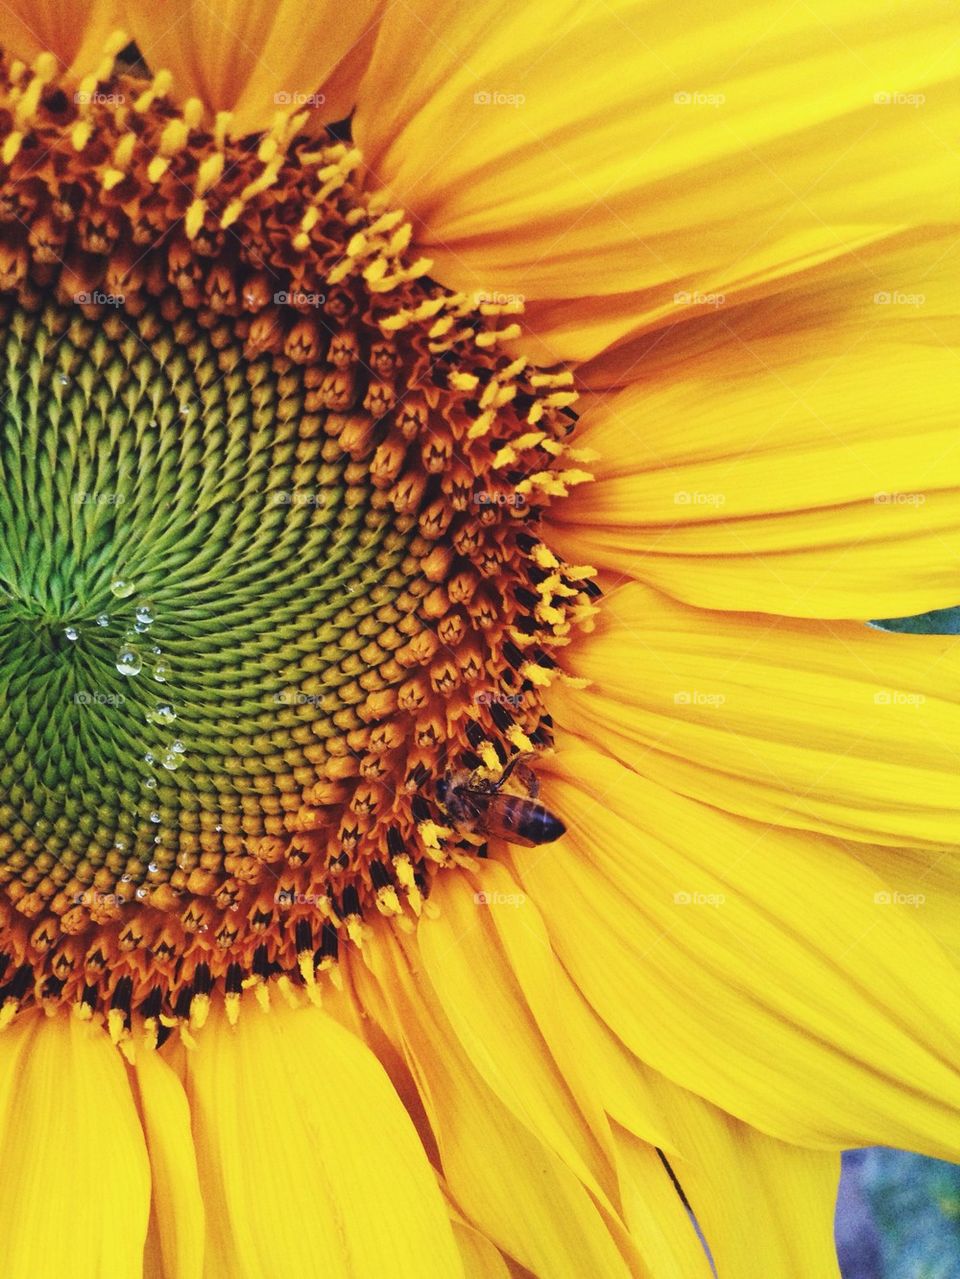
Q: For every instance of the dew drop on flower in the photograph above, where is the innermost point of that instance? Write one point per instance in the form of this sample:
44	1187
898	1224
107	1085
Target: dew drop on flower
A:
122	589
103	619
72	633
160	672
171	761
144	614
129	661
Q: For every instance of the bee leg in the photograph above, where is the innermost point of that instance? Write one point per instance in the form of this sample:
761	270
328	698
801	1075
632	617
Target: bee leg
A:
527	779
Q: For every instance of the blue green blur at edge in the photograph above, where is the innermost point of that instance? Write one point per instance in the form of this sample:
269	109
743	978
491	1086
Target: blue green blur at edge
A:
941	621
899	1214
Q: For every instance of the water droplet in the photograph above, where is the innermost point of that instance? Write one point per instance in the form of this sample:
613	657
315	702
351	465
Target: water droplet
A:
164	714
171	761
129	661
141	893
151	783
124	879
103	619
141	627
160	672
72	633
156	650
120	845
149	757
153	868
63	379
154	816
121	588
145	614
178	746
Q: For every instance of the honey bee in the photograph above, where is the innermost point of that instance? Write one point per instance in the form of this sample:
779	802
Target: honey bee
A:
483	807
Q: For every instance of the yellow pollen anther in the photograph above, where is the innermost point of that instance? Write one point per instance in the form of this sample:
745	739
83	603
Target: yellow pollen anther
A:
209	172
194	219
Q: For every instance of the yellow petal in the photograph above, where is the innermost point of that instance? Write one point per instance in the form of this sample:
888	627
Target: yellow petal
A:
815	473
290	1110
590	1059
474	984
176	1216
75	32
76	1182
258	57
481	1260
755	967
766	1208
507	1183
608	160
831	726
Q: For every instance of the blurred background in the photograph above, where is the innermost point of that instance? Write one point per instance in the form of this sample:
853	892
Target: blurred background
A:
898	1216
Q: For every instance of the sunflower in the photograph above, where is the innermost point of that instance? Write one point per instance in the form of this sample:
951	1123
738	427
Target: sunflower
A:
449	823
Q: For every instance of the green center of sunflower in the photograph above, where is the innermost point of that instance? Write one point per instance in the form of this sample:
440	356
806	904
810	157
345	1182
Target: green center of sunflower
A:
274	614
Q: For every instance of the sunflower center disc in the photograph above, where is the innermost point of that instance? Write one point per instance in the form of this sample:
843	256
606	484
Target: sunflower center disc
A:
269	572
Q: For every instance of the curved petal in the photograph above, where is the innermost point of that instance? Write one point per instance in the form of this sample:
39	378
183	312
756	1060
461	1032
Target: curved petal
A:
828	726
258	57
614	158
176	1234
733	1175
476	936
75	32
76	1181
756	967
290	1108
504	1180
481	1260
813	473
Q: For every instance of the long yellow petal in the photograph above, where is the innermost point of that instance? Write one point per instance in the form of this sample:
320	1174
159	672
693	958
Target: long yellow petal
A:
259	57
176	1213
622	162
76	1181
475	986
76	32
291	1109
815	472
766	1208
762	969
502	1178
828	726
